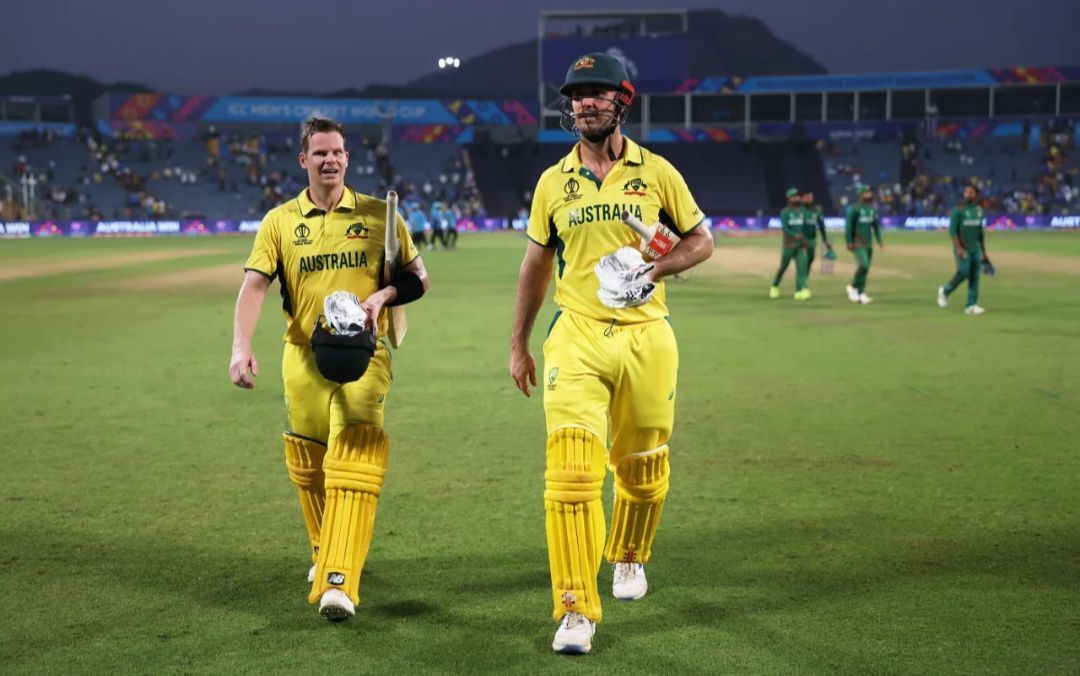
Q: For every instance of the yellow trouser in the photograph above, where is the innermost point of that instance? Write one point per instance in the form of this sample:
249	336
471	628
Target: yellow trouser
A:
604	382
335	437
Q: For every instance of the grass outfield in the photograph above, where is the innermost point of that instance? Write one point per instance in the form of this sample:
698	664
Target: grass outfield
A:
857	489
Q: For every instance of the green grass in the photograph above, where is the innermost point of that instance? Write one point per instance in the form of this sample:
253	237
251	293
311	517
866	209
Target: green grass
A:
881	489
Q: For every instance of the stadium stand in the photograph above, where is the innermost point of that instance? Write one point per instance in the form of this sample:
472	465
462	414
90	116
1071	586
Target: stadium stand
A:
224	174
918	177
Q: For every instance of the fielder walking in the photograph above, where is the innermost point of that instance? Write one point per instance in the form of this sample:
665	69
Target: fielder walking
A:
862	221
969	251
813	223
329	238
792	246
610	364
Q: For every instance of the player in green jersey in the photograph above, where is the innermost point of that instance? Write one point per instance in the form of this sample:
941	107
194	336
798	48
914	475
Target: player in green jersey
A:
813	223
792	218
862	219
969	250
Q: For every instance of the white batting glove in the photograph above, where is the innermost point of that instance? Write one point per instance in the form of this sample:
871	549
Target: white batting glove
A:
623	280
344	313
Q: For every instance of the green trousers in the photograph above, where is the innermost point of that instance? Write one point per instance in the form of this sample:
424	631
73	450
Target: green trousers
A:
968	268
863	256
808	260
798	254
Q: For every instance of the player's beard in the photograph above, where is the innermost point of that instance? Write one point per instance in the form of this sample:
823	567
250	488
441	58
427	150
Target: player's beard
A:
601	134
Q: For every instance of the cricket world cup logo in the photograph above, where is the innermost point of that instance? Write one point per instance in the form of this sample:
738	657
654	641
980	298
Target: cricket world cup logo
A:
571	189
302	232
568	600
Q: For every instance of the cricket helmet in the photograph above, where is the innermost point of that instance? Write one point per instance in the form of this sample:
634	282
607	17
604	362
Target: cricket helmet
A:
596	70
341	358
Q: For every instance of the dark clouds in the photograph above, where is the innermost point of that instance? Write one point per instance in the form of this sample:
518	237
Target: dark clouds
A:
220	46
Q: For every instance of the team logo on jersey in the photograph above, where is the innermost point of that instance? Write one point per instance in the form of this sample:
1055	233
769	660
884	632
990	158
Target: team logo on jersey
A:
356	231
301	231
571	189
569	599
552	375
335	578
635	187
584	62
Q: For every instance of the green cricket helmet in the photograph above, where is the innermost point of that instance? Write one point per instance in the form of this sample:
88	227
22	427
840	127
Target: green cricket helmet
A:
596	70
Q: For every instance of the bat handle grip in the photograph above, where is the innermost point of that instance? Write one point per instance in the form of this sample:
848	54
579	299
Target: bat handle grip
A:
636	225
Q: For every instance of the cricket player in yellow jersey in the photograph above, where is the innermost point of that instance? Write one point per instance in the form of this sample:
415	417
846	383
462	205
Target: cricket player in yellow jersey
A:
610	360
329	239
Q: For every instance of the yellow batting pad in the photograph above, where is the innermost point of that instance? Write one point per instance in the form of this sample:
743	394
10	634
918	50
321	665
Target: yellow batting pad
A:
575	519
304	458
641	483
355	466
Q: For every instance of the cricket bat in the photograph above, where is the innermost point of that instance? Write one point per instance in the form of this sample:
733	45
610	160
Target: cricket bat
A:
655	241
392	250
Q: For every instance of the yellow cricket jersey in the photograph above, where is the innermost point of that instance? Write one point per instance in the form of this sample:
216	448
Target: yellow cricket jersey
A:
313	253
581	218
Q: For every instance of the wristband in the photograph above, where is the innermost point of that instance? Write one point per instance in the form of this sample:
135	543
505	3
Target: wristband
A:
408	286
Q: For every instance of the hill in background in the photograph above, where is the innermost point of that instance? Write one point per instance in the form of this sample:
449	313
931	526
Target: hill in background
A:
719	44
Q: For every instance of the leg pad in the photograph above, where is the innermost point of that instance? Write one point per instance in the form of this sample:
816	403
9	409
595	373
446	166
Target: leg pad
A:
304	458
575	520
641	485
355	466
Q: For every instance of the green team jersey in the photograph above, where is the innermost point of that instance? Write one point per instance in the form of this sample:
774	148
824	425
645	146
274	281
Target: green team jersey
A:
813	223
862	219
791	223
966	222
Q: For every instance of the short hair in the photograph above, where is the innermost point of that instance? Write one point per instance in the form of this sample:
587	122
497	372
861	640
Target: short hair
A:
318	125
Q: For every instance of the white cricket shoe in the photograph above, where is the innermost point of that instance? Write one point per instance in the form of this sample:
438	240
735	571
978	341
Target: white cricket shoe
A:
942	299
311	574
629	583
574	636
974	310
864	299
336	606
852	294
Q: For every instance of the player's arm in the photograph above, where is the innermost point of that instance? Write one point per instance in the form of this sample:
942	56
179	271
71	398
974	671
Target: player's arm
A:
694	247
533	280
876	225
685	218
409	280
243	367
954	233
821	229
849	228
409	283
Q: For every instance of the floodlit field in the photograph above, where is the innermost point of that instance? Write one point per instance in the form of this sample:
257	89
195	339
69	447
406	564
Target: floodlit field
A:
882	489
